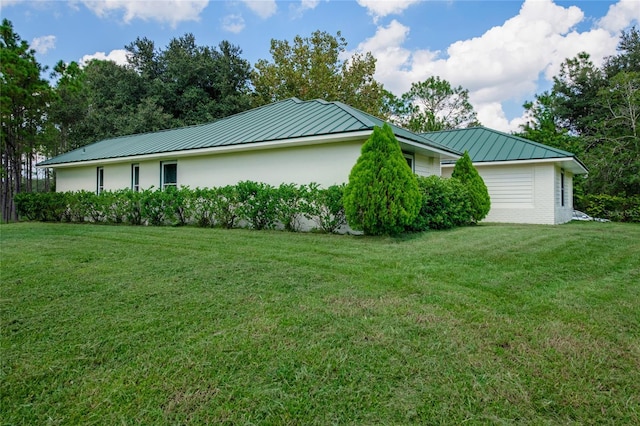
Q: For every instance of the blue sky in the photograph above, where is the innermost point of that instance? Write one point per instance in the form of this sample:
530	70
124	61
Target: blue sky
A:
504	51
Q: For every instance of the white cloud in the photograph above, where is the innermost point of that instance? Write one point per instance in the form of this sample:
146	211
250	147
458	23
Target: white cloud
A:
43	44
169	11
262	8
621	15
298	10
503	64
309	4
381	8
119	56
233	23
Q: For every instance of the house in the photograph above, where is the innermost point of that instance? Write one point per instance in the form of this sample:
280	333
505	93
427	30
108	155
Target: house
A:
528	182
290	141
294	141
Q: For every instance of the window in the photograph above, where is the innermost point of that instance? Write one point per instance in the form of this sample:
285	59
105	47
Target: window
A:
168	174
410	160
562	187
100	180
135	177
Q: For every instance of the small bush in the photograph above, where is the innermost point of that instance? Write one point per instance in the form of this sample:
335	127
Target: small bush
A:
292	205
326	207
257	204
445	204
203	211
29	205
155	207
226	203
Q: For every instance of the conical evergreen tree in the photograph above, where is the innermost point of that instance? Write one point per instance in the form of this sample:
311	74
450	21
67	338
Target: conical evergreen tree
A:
382	196
466	173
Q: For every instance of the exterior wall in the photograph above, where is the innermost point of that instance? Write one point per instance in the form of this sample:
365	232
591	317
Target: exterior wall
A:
426	166
519	193
76	179
117	176
325	164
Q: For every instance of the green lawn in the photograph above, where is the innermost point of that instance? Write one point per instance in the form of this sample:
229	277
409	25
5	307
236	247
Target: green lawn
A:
493	324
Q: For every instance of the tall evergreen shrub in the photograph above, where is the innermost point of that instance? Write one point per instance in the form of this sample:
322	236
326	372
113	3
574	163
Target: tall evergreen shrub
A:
382	196
479	199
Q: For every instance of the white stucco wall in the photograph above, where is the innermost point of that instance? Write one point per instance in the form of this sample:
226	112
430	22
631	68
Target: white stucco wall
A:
326	164
520	193
76	179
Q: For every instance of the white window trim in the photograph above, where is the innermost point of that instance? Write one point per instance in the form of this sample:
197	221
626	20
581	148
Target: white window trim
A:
410	156
99	180
162	164
135	186
563	188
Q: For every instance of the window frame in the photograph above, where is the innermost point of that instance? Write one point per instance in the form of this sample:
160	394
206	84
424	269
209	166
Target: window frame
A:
410	157
99	180
562	188
135	177
163	184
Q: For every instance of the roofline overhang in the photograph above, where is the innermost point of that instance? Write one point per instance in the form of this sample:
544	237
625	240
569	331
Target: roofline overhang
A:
280	143
576	168
445	155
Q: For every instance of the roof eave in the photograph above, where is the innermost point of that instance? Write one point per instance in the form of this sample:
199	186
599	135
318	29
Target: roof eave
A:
281	143
575	166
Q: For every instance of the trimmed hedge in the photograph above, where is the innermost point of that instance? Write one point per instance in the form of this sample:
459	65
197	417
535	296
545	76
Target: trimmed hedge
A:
444	204
247	204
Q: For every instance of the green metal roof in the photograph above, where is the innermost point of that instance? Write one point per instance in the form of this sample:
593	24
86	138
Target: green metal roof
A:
280	121
488	145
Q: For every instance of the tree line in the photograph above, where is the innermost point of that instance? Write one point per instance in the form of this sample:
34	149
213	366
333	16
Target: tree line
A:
591	112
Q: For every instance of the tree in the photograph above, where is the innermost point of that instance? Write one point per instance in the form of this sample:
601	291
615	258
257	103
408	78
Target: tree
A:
69	107
615	159
196	84
593	112
434	105
466	173
575	90
382	196
23	108
542	125
312	68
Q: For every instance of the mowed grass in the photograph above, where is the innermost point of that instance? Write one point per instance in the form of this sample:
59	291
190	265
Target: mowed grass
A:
493	324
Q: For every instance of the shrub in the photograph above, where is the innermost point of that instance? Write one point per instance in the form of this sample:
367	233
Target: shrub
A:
133	208
382	196
155	207
292	204
203	212
225	206
618	209
257	204
479	199
29	205
445	204
326	207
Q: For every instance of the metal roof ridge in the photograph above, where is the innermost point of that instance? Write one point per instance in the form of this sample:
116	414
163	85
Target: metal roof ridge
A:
361	116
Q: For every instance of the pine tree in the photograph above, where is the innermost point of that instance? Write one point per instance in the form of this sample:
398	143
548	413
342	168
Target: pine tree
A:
466	173
382	196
